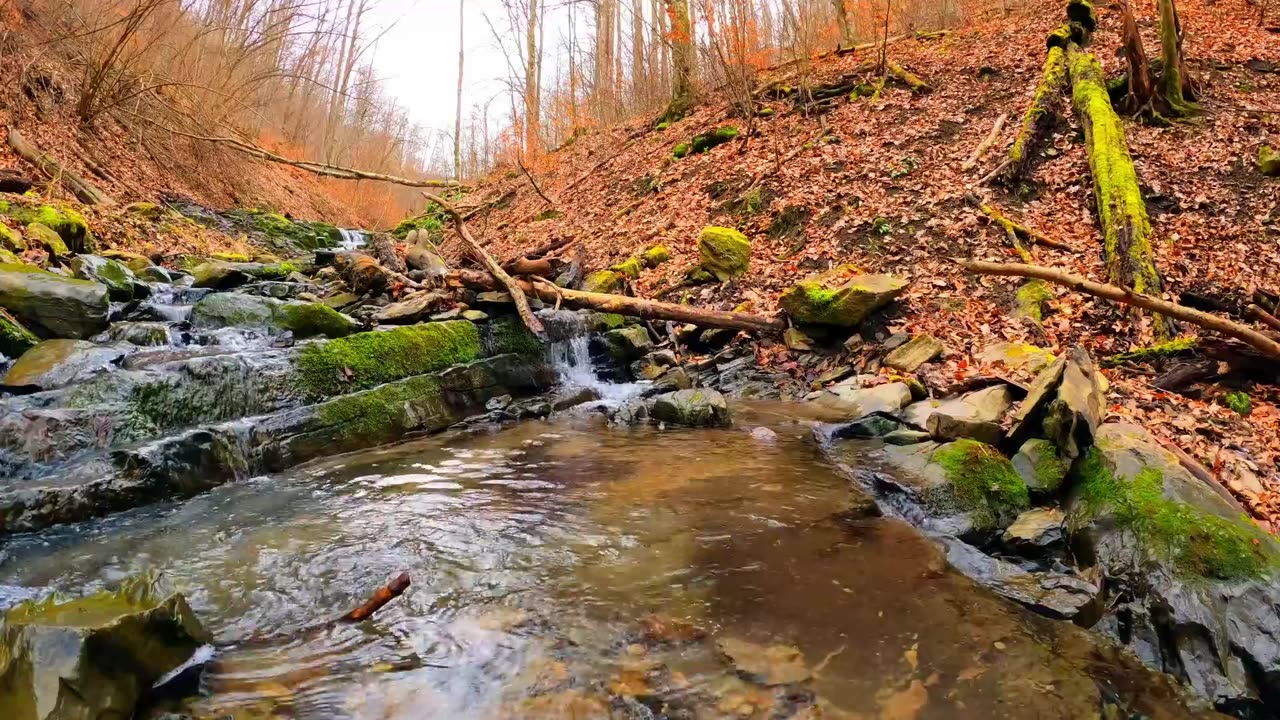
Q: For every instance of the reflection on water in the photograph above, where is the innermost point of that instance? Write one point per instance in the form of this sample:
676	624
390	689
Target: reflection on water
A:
563	569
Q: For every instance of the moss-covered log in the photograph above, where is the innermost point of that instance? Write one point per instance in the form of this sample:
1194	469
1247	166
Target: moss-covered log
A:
910	79
1122	212
1045	111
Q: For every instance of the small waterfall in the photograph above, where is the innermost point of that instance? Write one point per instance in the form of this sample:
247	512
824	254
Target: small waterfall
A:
570	356
352	239
572	360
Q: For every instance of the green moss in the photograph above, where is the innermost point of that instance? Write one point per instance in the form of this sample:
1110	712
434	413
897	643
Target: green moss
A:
11	240
63	220
747	204
862	90
378	415
231	257
981	482
1167	349
655	256
1239	402
680	150
662	126
602	281
1081	12
725	252
368	359
300	234
703	142
631	267
1053	81
509	335
607	321
1196	542
1031	299
307	319
1269	161
1050	470
765	112
549	214
14	338
48	238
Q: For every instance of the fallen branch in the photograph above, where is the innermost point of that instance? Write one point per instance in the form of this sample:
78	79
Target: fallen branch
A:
85	191
623	305
534	183
1254	339
522	304
1019	232
986	144
907	77
1263	316
384	595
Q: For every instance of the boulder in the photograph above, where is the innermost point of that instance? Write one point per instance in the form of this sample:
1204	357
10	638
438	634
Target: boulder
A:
11	240
420	258
1038	463
303	319
1017	356
222	275
69	225
964	487
944	428
694	408
627	344
52	306
1268	161
602	281
157	274
917	351
146	334
137	262
14	338
849	396
46	237
119	279
414	308
1202	582
986	405
724	252
55	363
1066	403
840	296
95	656
1059	596
1036	532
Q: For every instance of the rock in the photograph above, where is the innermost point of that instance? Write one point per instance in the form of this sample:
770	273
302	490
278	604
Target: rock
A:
695	408
341	300
495	297
1203	579
572	397
475	315
1038	463
43	236
664	630
95	656
796	340
764	435
626	344
1055	595
52	306
11	240
870	426
905	437
147	334
55	363
632	412
157	274
274	316
63	220
987	405
674	379
1036	532
850	396
966	486
136	262
653	365
219	275
914	353
420	258
1074	415
1032	300
944	428
119	279
14	338
1268	161
766	665
1017	356
724	252
840	296
412	309
602	281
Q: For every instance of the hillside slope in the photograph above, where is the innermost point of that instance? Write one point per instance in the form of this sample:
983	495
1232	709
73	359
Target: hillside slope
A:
878	184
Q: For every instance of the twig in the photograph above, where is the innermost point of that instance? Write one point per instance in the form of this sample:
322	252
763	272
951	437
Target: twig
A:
1019	231
522	304
1263	316
534	183
384	595
1257	340
986	144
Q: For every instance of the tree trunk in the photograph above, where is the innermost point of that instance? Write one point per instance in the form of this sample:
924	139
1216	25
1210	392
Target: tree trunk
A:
533	68
85	191
682	58
623	305
637	54
1176	78
457	121
1043	114
1141	91
1122	213
842	20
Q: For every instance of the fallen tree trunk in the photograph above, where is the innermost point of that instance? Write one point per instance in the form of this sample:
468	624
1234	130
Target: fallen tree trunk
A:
986	144
1253	338
623	305
1126	228
85	191
1016	231
522	304
1045	112
910	79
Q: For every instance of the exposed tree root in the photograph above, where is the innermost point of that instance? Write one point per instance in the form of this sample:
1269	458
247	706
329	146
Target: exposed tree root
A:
85	191
1253	338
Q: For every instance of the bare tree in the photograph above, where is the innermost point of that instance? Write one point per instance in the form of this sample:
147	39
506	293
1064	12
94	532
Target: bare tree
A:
457	123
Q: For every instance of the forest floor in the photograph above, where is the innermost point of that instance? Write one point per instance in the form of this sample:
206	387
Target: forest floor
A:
879	184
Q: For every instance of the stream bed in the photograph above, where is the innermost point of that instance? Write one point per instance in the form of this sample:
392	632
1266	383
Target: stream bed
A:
568	569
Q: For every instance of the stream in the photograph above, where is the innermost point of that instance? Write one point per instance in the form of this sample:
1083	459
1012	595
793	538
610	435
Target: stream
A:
569	569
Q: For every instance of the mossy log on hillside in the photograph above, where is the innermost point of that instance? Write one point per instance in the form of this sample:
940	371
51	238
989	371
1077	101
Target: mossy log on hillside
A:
1122	212
1045	111
906	77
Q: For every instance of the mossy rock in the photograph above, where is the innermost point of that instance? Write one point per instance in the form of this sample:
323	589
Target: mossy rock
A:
1129	493
1040	466
220	275
14	338
60	362
231	257
699	407
1081	13
655	256
626	344
432	223
631	267
45	237
93	656
1269	161
367	359
703	142
840	296
52	306
66	222
602	281
968	486
1032	300
119	279
148	211
11	240
136	262
299	236
725	252
303	319
680	150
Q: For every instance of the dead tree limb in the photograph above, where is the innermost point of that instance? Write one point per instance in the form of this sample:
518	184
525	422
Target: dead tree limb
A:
85	191
1019	232
1045	112
534	183
1263	316
384	595
906	77
1124	295
522	304
986	144
623	305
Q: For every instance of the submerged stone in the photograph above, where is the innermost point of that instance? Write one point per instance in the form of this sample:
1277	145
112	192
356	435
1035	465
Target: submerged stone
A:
840	296
55	363
765	664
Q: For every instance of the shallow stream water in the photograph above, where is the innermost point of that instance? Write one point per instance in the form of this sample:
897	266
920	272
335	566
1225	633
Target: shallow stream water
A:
566	569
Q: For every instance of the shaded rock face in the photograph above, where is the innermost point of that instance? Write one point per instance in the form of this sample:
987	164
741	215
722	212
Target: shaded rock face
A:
626	344
15	339
303	319
52	306
840	296
693	408
118	279
1053	594
1196	583
1065	403
1038	463
55	363
92	657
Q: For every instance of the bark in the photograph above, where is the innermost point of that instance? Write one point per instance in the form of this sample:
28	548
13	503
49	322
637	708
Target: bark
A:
532	89
384	250
986	144
623	305
85	191
457	121
1176	79
1122	212
1141	90
1264	317
1044	113
842	20
542	267
1253	338
384	595
522	304
682	57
